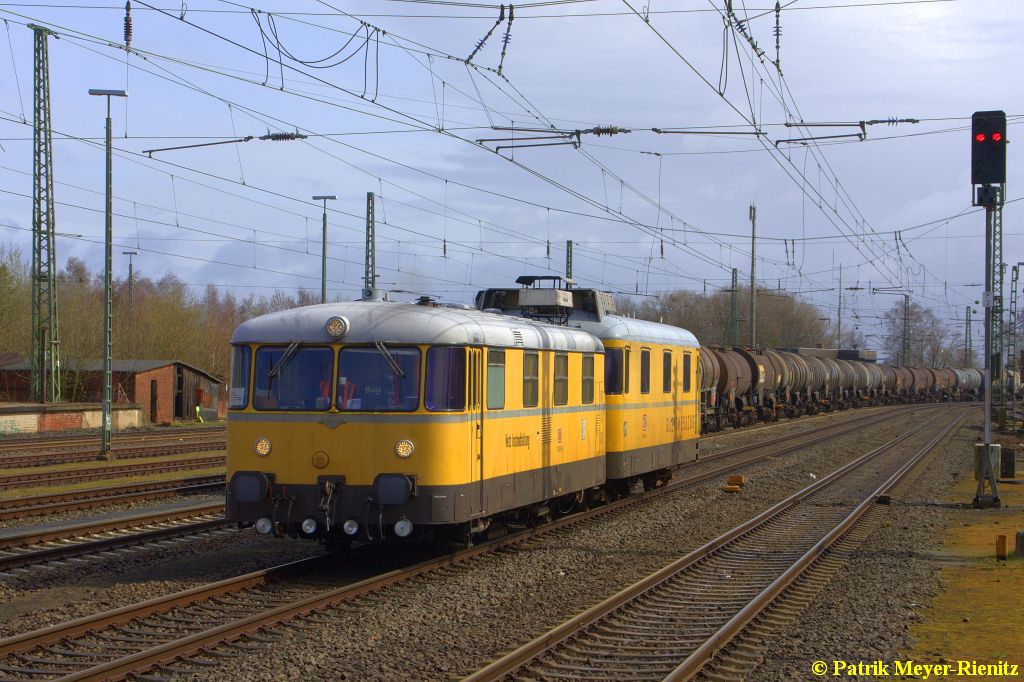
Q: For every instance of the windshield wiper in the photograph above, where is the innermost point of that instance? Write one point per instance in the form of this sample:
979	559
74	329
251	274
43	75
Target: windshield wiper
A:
395	367
288	353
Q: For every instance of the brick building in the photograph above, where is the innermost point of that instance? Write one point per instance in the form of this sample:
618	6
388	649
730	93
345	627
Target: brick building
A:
167	390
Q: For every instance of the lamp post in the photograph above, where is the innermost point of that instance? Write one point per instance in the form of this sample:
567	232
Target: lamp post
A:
323	251
107	267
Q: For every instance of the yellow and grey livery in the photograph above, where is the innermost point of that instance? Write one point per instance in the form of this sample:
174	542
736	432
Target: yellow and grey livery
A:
372	418
652	390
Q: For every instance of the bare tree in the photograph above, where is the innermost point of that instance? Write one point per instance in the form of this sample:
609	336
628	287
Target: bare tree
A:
932	342
783	321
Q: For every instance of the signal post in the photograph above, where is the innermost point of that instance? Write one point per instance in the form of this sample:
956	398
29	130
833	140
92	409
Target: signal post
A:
988	178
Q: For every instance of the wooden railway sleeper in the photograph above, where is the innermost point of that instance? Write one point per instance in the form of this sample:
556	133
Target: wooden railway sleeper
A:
661	620
67	652
53	661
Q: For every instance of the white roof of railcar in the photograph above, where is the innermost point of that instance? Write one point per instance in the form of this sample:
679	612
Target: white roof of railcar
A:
414	323
616	327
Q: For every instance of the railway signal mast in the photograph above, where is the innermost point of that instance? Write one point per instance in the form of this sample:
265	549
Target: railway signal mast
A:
988	184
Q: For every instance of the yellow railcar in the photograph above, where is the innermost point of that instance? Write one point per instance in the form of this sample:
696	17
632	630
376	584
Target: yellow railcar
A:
652	411
370	419
652	393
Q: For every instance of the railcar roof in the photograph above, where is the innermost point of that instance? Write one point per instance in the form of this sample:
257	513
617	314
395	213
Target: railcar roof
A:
391	322
618	327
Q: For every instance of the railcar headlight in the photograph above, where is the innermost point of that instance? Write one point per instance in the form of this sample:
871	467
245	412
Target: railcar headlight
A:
404	448
337	327
320	459
403	527
262	446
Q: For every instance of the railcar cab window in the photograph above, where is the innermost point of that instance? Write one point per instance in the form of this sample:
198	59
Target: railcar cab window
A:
616	371
686	372
531	380
379	379
645	371
446	379
241	356
495	379
587	390
293	378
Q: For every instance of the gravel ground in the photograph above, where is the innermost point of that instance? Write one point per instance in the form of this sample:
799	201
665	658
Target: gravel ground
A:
458	619
868	607
40	597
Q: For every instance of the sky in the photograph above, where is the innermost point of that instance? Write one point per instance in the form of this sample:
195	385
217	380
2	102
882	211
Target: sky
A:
477	171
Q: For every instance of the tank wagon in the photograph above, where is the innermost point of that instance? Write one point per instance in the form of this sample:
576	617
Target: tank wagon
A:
740	386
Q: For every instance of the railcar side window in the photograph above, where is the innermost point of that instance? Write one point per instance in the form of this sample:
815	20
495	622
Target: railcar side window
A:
531	382
369	382
613	371
588	379
666	372
645	371
240	359
296	380
446	379
495	379
561	379
625	373
686	372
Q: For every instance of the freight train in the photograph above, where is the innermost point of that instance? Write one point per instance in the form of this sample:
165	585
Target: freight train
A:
375	420
741	385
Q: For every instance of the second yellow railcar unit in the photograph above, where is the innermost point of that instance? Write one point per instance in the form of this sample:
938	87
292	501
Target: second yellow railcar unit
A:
652	391
652	397
373	418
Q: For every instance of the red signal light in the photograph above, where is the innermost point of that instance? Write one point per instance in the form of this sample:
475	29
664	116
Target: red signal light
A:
980	137
997	137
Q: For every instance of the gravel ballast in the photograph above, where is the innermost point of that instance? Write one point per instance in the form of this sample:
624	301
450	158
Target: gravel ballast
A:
866	611
459	619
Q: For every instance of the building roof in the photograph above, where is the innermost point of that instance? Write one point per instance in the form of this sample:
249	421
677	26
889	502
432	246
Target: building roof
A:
123	366
11	359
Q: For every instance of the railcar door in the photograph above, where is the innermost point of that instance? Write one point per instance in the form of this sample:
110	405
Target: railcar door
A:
474	408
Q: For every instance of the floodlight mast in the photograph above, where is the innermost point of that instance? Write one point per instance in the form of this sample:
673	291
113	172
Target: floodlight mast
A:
107	268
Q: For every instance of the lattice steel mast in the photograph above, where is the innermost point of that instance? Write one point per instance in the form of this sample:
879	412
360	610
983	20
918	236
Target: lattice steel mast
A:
1011	350
45	353
370	291
998	279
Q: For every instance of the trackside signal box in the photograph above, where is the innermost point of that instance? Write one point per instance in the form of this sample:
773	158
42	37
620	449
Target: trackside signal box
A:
988	148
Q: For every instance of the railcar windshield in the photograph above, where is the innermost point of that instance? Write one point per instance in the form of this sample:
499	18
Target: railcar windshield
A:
375	380
293	378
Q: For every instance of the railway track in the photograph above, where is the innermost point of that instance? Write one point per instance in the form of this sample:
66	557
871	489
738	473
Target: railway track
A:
150	448
16	443
155	633
673	623
50	478
42	505
42	546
